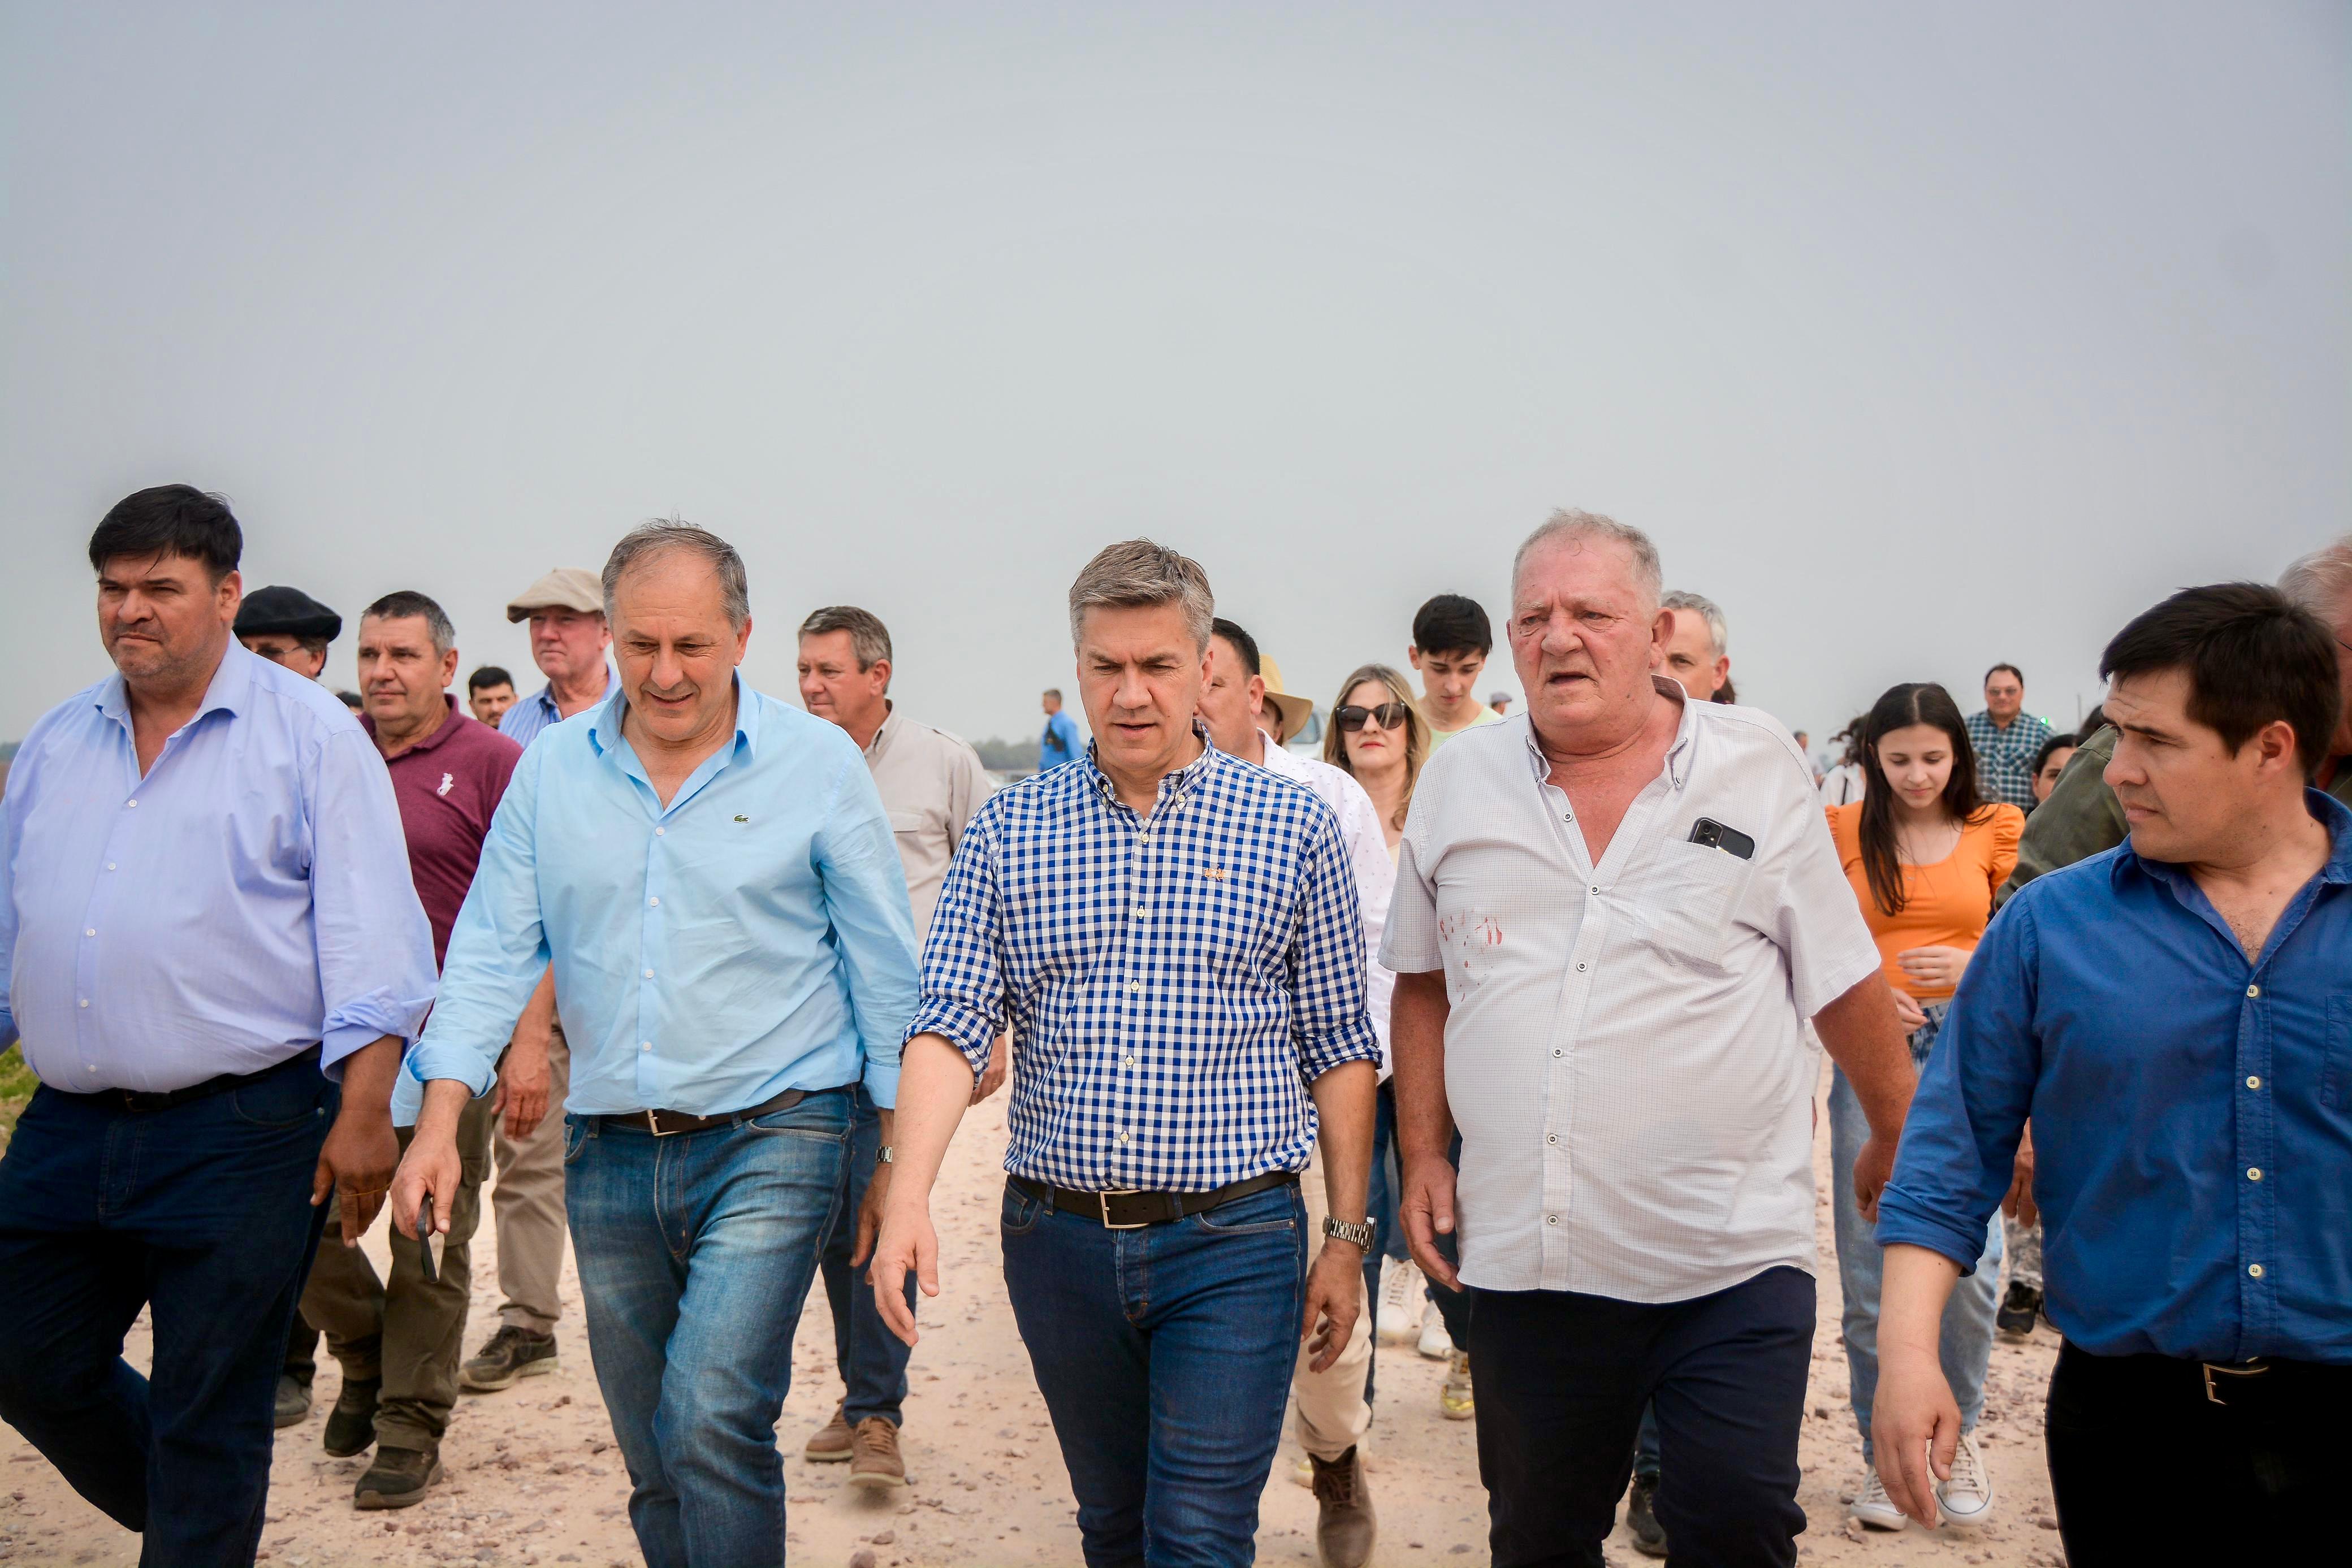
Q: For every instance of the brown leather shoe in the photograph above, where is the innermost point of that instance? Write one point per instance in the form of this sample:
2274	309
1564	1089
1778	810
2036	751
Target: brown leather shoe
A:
1345	1528
873	1459
831	1443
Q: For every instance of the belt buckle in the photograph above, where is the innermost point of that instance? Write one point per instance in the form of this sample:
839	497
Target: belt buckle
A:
652	1124
1103	1200
2254	1368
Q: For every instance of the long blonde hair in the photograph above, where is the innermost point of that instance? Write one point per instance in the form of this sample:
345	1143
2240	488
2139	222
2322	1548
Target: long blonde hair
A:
1416	729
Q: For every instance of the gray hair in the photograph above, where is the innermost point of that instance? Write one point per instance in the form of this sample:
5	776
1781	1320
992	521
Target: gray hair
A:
1139	572
406	603
2321	580
659	535
869	638
1571	524
1700	605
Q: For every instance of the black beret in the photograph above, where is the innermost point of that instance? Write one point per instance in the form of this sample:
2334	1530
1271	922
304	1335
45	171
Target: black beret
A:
287	610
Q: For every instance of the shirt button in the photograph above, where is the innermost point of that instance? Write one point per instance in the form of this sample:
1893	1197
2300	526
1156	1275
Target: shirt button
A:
2251	990
1127	1061
660	832
90	931
2255	1270
1122	1137
1135	985
1580	968
134	805
1595	889
2254	1083
2253	1173
85	1001
647	1045
92	1067
1551	1138
1552	1220
649	974
653	903
110	865
1556	1050
1140	911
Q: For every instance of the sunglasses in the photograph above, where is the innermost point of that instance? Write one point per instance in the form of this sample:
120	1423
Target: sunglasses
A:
1351	718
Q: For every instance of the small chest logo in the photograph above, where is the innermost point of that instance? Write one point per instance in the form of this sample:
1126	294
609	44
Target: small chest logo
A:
1215	873
447	779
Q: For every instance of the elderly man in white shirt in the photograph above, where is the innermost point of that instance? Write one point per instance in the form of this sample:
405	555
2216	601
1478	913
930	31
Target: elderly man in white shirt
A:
1613	915
1333	1410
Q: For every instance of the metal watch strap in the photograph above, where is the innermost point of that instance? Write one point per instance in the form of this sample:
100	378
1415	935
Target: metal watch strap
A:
1340	1230
884	1155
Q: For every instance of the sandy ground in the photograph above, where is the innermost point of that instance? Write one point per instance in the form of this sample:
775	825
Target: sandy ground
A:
533	1477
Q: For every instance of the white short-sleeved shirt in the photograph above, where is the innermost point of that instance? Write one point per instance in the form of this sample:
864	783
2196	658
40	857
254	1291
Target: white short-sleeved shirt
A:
1368	855
1625	1053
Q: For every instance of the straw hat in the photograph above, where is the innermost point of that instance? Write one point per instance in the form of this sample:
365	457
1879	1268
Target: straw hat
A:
1289	713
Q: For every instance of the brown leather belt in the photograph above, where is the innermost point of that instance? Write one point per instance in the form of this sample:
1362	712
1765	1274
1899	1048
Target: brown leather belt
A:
1134	1210
669	1123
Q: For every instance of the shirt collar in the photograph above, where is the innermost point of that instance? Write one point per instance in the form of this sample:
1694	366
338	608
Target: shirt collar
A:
605	729
441	732
228	691
1678	750
1172	785
884	730
545	695
1278	758
2325	810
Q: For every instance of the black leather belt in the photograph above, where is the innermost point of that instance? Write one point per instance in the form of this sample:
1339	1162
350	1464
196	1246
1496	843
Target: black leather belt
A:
668	1123
142	1101
1134	1210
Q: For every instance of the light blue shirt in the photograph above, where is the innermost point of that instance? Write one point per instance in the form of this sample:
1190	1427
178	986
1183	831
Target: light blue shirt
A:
529	719
1061	743
751	938
246	900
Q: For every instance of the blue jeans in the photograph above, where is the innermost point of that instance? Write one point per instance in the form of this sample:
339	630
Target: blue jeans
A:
695	1251
1967	1344
873	1360
203	1214
1164	1354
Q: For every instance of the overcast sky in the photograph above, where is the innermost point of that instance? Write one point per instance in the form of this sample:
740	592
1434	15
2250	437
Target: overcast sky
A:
1919	337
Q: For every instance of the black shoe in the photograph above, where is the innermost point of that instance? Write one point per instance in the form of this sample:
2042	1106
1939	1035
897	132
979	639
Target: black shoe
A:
351	1425
293	1402
1649	1535
509	1353
398	1478
2018	1310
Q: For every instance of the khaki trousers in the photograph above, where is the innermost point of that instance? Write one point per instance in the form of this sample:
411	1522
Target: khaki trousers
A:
527	1206
1333	1416
405	1332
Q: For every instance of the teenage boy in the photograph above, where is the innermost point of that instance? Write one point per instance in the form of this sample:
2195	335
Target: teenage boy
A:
1450	640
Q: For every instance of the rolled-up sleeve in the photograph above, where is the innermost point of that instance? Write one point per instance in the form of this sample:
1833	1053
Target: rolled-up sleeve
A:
874	931
1329	1021
963	970
1799	898
374	946
1959	1143
498	949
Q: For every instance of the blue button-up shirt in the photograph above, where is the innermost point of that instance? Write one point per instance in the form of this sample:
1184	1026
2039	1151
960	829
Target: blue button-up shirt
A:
246	900
1061	742
1175	982
2192	1111
529	717
751	937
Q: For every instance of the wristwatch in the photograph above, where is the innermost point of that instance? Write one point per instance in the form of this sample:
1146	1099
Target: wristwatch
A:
884	1157
1361	1235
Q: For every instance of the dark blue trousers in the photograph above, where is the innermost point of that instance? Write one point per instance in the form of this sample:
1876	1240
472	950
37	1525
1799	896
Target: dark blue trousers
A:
1562	1381
873	1360
201	1213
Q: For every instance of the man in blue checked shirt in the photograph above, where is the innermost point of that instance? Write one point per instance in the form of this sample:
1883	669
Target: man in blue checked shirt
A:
1174	936
2175	1015
212	952
714	881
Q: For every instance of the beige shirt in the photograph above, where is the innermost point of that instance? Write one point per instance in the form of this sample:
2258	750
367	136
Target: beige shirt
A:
931	783
1626	1052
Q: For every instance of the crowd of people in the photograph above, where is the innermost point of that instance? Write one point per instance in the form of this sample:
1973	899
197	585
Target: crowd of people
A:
1493	1032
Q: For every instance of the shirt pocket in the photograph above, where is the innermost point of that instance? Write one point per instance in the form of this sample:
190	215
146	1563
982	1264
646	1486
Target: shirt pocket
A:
1685	906
2336	1067
906	823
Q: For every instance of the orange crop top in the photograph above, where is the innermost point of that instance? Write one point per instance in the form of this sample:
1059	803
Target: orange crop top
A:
1947	904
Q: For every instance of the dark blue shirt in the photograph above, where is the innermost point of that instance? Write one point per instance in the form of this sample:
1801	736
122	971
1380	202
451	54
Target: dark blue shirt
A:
2192	1112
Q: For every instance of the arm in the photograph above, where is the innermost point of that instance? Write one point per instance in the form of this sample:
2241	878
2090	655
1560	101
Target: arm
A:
1346	1104
874	930
357	1160
1864	1037
1424	1123
1914	1416
524	1075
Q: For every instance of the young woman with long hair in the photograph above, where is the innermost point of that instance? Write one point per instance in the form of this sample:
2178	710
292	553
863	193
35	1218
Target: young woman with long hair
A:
1378	735
1924	851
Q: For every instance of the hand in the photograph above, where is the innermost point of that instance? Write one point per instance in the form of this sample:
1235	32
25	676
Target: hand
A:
869	1215
431	1166
1000	1068
524	1080
2019	1204
1426	1208
1335	1298
1913	1016
907	1243
1915	1426
1938	967
1872	1169
356	1165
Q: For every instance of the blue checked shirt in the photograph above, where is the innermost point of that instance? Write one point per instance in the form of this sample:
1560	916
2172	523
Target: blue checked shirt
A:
2005	756
1175	982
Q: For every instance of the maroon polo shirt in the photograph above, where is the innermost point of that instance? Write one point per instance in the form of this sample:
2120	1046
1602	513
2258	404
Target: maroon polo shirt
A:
448	786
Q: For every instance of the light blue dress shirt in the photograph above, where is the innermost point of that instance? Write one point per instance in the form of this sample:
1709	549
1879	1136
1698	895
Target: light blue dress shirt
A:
246	900
751	938
536	714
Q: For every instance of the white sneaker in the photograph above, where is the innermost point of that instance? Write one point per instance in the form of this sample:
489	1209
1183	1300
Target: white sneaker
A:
1435	1343
1967	1498
1874	1508
1402	1302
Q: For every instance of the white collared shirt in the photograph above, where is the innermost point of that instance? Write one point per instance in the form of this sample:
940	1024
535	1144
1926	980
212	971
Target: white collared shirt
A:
1626	1054
1368	855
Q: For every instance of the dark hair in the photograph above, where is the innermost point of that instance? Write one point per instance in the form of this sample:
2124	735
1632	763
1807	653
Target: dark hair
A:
1997	669
1243	644
486	677
406	603
350	700
1913	702
170	519
2056	743
2093	721
2252	656
1450	624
